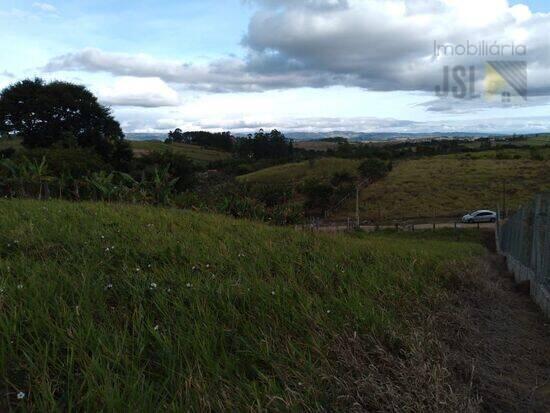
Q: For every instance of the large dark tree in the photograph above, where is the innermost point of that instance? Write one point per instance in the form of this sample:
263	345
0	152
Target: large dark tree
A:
61	114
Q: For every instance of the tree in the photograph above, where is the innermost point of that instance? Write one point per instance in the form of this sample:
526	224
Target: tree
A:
265	145
373	169
175	136
62	114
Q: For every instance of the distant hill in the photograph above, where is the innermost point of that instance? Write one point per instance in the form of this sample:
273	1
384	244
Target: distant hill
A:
146	136
381	136
351	135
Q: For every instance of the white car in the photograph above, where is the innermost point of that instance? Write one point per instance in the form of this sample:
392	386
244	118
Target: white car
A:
480	216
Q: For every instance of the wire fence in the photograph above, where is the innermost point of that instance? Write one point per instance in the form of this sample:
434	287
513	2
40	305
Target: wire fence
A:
524	239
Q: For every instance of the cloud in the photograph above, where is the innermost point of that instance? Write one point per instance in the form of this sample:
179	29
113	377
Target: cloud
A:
7	74
45	7
137	121
140	92
381	45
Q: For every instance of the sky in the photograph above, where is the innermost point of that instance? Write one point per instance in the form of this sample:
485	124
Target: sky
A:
295	65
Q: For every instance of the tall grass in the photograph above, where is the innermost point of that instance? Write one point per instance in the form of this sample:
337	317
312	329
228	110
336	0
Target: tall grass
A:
111	307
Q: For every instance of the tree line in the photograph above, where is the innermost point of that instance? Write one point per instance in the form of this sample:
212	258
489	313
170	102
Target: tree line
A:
260	145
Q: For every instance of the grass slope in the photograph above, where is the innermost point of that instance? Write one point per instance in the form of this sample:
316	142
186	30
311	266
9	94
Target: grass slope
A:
294	173
193	152
448	186
440	186
120	308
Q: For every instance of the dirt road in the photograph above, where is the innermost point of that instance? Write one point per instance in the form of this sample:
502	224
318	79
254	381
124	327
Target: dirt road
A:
500	339
405	227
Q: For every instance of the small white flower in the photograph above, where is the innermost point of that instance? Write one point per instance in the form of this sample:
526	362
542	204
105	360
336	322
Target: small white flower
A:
103	237
189	285
108	286
138	269
107	249
20	287
148	266
207	265
21	395
272	292
328	311
153	286
156	328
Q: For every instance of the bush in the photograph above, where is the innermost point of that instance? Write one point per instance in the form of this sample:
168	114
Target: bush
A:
536	155
76	163
179	166
373	169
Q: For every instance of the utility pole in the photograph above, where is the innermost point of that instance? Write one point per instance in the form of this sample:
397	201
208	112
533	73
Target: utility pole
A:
357	207
504	197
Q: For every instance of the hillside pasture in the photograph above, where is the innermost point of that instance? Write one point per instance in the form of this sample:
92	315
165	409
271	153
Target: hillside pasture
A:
109	307
193	152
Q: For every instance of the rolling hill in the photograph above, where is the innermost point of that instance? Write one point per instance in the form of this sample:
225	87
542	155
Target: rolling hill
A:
440	186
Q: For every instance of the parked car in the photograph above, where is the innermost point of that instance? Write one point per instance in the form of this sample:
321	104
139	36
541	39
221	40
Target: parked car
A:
480	216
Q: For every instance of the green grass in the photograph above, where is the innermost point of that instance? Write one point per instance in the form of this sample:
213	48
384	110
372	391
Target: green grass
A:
10	143
508	154
121	308
451	186
193	152
440	186
534	141
294	173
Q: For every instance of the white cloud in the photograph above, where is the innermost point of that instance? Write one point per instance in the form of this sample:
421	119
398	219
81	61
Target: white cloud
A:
142	92
45	7
382	45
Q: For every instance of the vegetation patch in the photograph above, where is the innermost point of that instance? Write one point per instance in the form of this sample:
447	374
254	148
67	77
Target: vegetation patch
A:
113	307
193	152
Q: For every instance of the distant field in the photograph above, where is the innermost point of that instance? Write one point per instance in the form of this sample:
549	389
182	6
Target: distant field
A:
523	153
193	152
319	146
109	307
293	173
536	141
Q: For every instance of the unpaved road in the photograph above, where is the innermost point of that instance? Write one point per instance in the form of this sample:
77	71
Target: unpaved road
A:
499	338
406	227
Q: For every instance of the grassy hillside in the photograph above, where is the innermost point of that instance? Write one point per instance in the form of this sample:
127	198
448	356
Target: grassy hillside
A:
449	186
441	186
119	308
193	152
293	173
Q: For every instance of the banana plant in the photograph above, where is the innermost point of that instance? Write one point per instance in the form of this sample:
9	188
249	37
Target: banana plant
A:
38	174
27	174
162	185
102	184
